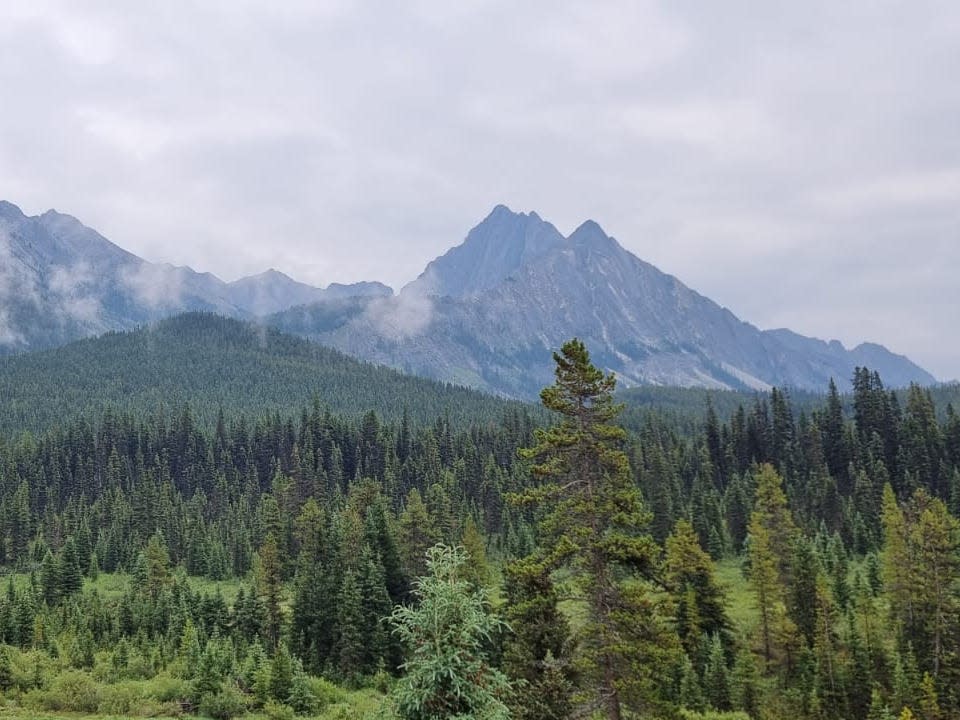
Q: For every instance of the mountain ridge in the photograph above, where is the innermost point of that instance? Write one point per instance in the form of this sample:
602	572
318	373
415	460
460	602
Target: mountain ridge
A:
643	324
61	280
487	313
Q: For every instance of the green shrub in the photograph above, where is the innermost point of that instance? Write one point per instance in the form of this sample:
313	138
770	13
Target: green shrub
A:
120	699
166	688
228	703
278	711
135	698
72	690
325	692
30	669
713	715
301	698
382	681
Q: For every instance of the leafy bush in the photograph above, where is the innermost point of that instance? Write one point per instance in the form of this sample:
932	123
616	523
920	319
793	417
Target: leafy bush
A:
325	692
166	688
72	690
136	698
301	698
30	669
278	711
120	699
228	703
712	715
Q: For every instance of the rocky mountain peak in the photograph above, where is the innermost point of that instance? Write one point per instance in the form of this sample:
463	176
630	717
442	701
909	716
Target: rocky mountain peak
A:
493	250
10	212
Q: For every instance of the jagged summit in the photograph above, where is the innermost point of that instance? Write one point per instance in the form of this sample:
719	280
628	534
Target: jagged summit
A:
10	211
492	251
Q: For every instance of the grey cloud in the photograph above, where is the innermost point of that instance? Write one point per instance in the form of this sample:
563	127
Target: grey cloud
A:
156	286
72	286
799	163
408	314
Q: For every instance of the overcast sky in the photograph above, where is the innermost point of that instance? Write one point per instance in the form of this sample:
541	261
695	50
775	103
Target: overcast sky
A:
798	162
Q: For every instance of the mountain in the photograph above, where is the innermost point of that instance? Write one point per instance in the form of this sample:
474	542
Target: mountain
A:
272	291
489	313
495	249
60	280
211	362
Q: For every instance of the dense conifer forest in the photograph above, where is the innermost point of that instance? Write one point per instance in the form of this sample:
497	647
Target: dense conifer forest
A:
402	548
212	363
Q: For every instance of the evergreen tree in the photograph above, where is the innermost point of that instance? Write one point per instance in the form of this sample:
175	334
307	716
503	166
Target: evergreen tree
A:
350	648
689	572
476	569
270	584
594	526
379	644
69	576
418	532
448	674
716	677
281	674
768	592
536	647
6	669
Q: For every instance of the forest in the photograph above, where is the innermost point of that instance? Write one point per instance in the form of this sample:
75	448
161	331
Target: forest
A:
767	559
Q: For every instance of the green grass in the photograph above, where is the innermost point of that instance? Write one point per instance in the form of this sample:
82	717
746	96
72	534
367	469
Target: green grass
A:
741	606
364	704
15	713
112	586
358	704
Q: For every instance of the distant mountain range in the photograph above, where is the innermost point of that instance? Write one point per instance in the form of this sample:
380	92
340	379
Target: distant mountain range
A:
486	314
60	281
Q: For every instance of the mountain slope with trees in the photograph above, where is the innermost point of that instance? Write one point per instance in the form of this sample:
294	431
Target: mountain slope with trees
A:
210	363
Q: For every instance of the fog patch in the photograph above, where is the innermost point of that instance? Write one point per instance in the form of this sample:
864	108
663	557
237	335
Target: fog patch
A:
17	287
155	286
9	335
73	287
402	316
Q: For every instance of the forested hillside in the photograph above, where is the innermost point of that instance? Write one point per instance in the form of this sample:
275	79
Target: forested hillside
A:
210	362
784	562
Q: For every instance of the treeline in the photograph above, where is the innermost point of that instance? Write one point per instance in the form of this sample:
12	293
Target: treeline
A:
842	518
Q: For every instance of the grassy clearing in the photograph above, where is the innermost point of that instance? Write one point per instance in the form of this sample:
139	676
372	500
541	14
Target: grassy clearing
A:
112	586
365	704
741	606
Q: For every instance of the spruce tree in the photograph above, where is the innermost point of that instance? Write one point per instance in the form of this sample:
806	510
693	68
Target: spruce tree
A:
417	533
716	676
281	674
270	582
447	632
69	575
350	650
476	569
689	570
594	527
536	648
